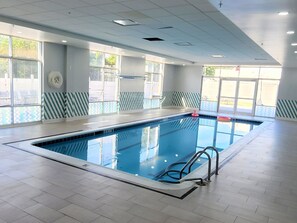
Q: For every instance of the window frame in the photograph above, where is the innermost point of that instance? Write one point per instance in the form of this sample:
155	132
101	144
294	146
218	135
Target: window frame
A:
238	79
105	69
13	106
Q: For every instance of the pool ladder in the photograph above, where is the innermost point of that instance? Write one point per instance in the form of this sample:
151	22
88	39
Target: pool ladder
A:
187	166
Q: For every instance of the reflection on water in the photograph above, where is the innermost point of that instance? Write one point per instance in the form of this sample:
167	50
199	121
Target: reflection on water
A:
146	150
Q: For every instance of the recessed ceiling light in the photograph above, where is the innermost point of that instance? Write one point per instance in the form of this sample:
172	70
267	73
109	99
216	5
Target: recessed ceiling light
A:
19	32
293	44
217	56
283	13
290	32
184	65
64	41
295	51
125	22
143	56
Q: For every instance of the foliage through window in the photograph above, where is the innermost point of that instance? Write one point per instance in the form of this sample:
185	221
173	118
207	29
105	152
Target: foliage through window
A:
103	83
251	90
20	80
153	84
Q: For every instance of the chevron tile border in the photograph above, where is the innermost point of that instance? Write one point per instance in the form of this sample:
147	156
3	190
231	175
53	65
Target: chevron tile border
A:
53	105
131	101
168	95
186	99
77	104
286	109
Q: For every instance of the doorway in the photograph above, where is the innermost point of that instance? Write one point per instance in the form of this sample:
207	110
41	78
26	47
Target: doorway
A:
237	96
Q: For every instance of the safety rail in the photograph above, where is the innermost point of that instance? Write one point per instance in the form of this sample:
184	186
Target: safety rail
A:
187	166
162	100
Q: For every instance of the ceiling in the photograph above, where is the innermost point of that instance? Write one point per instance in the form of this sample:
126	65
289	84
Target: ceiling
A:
259	19
256	35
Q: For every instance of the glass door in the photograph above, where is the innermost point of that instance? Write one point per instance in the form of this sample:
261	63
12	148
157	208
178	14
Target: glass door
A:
227	96
237	96
246	97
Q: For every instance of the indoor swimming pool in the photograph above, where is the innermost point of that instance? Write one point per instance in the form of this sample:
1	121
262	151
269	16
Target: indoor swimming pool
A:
145	150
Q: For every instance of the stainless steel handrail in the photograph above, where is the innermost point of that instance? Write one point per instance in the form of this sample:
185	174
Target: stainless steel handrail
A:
188	165
217	157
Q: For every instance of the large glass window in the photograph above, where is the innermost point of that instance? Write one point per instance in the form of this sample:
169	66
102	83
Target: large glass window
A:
240	90
103	83
20	80
153	84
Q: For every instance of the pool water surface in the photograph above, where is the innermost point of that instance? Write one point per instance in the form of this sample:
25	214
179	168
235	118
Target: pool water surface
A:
146	150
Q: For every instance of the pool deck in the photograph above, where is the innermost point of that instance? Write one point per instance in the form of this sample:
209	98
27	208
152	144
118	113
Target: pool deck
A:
258	185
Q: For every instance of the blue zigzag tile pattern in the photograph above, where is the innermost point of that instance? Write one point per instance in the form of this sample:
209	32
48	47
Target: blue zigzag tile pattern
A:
168	95
131	101
57	105
181	99
77	104
53	105
286	109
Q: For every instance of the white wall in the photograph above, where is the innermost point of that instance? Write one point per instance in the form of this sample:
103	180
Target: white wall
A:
54	60
170	72
134	67
288	84
188	79
77	69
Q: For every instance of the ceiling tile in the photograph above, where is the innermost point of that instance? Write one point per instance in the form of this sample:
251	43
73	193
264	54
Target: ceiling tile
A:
11	11
71	13
71	3
182	10
169	3
30	9
98	2
114	8
156	13
132	14
92	10
48	5
139	4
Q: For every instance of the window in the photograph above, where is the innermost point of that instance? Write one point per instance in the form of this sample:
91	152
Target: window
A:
240	90
20	80
153	84
103	83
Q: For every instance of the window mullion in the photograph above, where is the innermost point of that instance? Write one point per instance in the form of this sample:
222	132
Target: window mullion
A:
11	81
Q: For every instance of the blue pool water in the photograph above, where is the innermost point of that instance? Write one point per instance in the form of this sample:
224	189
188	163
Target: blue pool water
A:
146	150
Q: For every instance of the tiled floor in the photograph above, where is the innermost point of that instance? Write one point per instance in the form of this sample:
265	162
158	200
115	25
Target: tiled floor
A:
258	185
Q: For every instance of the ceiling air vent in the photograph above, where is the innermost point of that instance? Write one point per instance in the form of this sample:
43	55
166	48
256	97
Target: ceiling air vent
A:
260	59
166	27
153	39
184	44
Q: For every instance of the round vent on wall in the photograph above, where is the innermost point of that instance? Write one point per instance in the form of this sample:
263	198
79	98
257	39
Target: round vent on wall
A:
55	79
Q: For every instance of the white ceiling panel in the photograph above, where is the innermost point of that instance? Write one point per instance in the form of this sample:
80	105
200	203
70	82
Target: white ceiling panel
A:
199	22
48	5
140	4
156	13
71	3
114	7
169	3
12	11
98	2
92	10
182	10
10	3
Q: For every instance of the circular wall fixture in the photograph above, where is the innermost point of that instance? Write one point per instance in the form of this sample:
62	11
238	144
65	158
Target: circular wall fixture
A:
55	79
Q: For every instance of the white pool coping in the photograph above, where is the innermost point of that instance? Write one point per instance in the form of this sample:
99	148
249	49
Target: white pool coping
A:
177	190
